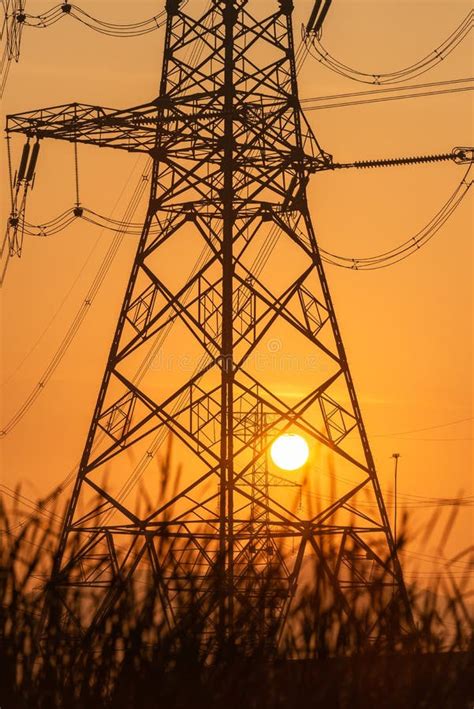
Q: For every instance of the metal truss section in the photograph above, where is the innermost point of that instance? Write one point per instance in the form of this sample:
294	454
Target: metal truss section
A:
141	308
133	130
115	421
339	422
249	417
205	410
314	312
245	313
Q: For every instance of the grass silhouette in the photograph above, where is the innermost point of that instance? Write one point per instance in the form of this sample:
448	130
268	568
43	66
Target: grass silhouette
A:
133	659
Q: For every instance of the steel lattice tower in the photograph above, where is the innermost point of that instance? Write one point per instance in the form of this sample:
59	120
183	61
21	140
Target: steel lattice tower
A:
232	155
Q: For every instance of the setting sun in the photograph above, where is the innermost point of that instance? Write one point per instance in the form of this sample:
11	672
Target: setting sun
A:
289	451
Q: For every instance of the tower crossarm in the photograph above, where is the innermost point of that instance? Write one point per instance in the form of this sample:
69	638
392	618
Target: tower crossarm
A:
141	128
132	129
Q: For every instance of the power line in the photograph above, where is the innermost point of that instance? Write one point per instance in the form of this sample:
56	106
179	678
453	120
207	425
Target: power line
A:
73	285
113	29
409	246
431	559
318	52
385	90
315	104
429	504
435	440
81	313
15	19
382	260
425	428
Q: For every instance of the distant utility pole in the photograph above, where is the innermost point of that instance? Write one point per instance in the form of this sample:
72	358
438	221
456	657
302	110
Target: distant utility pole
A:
396	456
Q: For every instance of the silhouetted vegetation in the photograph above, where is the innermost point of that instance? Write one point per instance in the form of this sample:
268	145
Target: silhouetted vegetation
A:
132	659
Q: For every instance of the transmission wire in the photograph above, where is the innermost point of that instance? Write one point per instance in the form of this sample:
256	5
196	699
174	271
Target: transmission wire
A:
70	290
15	19
362	98
318	52
80	315
410	246
56	13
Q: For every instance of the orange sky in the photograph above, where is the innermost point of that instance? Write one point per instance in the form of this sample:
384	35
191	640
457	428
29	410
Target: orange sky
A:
407	329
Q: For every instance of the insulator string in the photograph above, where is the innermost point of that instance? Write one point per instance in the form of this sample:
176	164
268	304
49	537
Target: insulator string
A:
10	171
76	173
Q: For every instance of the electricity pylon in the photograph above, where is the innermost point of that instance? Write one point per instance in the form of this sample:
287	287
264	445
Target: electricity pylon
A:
232	156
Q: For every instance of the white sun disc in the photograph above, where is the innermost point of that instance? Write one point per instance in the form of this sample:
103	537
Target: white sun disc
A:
289	451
